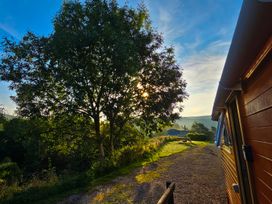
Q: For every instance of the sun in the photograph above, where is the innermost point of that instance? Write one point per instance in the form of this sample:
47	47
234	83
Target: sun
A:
145	95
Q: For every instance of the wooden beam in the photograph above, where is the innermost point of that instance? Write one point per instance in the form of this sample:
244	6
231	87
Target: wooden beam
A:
168	196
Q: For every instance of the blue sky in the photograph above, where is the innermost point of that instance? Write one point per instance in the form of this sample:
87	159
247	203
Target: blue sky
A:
200	31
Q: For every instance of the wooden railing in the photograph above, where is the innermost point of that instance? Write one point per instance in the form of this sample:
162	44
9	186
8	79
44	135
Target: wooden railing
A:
168	195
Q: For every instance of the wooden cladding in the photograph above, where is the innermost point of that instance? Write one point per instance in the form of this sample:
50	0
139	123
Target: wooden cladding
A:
229	166
259	83
256	105
259	59
260	104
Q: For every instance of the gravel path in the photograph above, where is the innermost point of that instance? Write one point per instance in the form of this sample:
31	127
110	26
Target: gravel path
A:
197	173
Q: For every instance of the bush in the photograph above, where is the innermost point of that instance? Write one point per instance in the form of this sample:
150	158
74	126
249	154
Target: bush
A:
100	168
198	136
10	172
127	154
143	150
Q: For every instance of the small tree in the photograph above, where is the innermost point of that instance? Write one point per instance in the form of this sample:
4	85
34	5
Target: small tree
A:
184	127
199	128
213	130
202	129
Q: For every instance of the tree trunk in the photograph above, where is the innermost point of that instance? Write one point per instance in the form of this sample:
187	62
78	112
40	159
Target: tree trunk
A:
99	137
101	149
112	136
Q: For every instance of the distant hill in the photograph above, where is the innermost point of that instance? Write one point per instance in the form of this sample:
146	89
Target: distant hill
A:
9	117
188	121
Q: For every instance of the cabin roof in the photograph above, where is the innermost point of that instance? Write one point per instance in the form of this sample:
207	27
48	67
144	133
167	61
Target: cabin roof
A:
253	29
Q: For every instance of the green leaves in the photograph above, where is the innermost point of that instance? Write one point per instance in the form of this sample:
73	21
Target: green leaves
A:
101	62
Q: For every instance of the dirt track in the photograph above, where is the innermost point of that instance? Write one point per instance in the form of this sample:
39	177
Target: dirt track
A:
196	172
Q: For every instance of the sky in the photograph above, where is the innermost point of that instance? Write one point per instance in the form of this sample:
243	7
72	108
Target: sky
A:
200	32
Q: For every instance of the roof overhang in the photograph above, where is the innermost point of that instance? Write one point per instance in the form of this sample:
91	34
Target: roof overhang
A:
253	29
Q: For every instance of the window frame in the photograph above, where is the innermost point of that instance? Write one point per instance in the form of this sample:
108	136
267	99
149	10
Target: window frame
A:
224	125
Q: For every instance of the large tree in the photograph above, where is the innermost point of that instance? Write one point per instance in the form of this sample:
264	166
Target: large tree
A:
102	62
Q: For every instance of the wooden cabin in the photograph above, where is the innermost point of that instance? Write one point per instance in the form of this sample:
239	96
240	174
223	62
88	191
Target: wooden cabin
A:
243	107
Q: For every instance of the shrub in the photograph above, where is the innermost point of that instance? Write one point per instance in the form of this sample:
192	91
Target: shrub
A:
10	172
143	150
100	168
127	154
198	136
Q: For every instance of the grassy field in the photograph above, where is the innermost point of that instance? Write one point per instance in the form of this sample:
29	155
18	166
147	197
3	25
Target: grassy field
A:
177	146
57	189
173	148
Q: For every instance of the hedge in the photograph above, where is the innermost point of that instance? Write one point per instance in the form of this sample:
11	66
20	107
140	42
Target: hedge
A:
198	136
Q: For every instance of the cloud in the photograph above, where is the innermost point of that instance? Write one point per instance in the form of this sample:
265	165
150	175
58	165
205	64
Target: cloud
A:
9	30
172	19
219	45
5	100
202	72
167	25
200	48
8	104
199	104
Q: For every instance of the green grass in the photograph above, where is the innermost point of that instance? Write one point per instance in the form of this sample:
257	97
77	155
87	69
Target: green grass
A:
118	193
201	143
52	192
173	148
177	147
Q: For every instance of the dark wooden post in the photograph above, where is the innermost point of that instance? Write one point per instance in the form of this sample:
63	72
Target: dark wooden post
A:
168	196
171	196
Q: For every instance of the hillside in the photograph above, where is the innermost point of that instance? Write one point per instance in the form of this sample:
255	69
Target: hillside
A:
188	121
9	117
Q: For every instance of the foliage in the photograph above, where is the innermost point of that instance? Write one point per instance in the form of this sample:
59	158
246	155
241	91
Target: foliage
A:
202	129
88	95
39	190
118	193
20	141
64	142
10	172
189	121
199	128
147	177
2	115
101	61
213	130
198	136
127	154
50	190
163	90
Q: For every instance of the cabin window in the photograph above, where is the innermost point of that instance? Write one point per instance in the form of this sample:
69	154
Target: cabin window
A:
225	138
222	133
219	130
